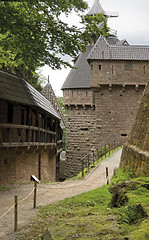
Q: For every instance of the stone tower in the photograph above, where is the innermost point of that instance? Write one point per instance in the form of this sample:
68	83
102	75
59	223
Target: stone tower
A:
104	87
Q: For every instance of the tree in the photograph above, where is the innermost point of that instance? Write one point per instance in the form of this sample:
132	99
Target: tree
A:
33	34
60	100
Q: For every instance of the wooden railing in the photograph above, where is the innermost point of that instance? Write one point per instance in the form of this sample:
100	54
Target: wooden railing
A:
95	154
24	135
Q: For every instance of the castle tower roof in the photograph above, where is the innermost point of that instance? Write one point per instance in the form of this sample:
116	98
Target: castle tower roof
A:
119	51
96	8
79	76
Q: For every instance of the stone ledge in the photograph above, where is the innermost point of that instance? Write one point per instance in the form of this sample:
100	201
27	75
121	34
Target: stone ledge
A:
139	151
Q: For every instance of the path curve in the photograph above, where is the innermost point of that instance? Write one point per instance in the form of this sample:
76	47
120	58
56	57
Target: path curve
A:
48	193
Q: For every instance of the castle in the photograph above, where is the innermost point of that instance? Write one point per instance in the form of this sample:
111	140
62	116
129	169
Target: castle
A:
102	94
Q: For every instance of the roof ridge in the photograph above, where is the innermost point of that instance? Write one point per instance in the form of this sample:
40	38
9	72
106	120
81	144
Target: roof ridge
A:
96	45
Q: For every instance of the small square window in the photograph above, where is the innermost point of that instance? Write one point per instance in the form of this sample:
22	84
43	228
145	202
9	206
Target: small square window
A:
66	92
99	67
128	65
79	91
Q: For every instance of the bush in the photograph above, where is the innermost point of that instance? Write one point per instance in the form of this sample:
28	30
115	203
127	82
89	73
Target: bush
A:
132	213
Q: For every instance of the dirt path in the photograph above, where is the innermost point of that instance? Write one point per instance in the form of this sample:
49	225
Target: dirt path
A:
48	193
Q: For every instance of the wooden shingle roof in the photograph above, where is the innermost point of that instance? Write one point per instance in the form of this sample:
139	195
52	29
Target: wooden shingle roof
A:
16	89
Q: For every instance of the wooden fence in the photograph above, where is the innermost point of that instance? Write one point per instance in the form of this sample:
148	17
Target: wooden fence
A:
95	154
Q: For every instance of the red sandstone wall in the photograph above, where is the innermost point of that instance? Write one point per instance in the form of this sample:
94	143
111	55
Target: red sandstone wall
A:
78	97
136	151
20	165
115	111
80	137
113	72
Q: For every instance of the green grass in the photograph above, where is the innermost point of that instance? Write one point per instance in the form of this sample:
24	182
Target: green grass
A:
88	216
4	188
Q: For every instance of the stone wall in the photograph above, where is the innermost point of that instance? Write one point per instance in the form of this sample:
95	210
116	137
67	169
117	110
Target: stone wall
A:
103	123
103	114
80	137
78	97
115	111
136	152
119	72
20	165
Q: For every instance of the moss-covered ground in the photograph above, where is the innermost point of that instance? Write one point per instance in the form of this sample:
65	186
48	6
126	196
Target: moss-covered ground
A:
89	216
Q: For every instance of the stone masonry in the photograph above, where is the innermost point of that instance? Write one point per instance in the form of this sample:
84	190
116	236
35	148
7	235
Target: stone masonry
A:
80	136
136	151
104	113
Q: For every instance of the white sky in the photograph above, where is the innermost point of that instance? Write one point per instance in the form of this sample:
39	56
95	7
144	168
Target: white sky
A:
132	25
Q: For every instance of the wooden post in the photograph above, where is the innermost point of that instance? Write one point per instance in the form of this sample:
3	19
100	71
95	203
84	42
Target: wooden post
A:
114	171
93	157
105	151
1	135
15	212
88	159
35	191
109	149
107	175
82	167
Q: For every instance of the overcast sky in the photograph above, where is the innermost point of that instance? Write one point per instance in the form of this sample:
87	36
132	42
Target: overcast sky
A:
132	25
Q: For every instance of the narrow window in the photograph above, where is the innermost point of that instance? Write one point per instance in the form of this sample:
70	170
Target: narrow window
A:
91	67
72	93
10	113
123	135
112	69
99	67
84	129
5	161
144	69
22	116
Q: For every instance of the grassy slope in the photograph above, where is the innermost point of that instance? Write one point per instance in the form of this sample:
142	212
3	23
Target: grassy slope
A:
88	216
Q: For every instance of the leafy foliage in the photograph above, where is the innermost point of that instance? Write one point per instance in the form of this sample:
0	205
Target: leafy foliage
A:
60	100
33	34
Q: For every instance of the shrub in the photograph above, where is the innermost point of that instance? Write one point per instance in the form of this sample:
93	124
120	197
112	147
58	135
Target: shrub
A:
132	213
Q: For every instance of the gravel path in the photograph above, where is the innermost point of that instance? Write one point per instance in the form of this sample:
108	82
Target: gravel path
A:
48	193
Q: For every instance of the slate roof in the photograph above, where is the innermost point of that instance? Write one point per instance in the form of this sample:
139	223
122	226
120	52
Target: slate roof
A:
80	76
96	8
48	92
13	88
104	51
